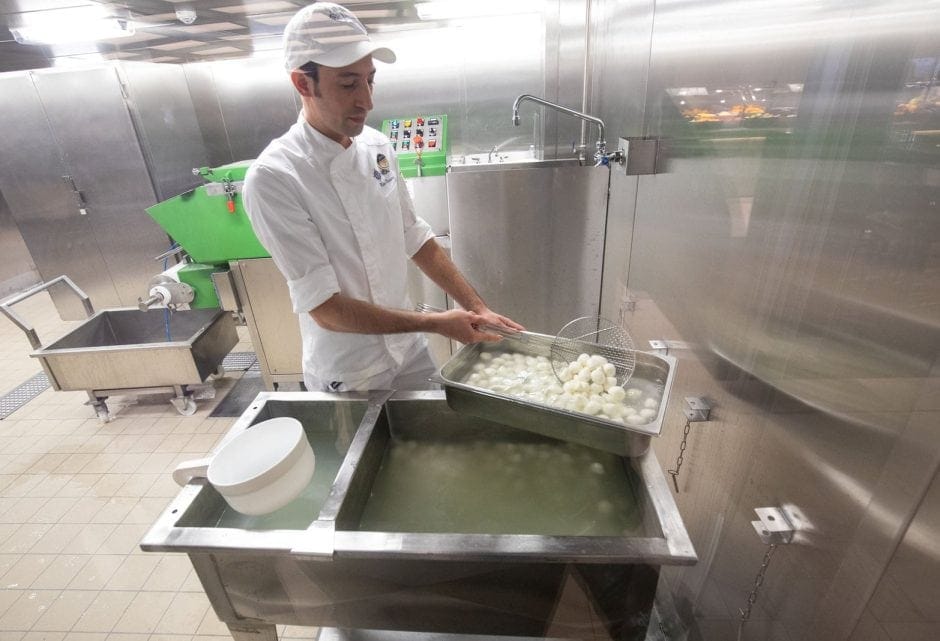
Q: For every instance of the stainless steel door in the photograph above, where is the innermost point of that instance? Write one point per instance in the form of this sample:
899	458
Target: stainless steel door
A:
60	239
92	126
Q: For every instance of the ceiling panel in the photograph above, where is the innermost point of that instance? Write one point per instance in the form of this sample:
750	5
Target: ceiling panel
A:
163	32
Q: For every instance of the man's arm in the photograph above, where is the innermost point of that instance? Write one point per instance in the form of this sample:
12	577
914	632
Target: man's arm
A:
438	266
341	313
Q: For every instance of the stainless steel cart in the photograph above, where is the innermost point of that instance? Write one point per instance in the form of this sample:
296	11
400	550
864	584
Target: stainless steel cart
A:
126	351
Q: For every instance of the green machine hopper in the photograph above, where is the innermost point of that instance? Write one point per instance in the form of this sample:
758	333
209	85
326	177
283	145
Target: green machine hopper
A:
210	223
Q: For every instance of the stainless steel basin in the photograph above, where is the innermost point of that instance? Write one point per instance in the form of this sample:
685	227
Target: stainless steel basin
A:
324	563
128	349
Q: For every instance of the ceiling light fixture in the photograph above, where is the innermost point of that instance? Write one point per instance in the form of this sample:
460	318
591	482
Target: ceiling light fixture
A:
69	26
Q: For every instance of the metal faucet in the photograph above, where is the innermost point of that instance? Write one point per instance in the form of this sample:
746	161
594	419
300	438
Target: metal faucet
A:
489	156
600	154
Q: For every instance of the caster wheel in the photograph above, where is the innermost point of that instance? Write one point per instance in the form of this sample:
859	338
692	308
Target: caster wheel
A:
185	405
218	373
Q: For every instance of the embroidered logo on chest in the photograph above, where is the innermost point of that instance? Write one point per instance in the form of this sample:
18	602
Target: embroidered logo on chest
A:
382	173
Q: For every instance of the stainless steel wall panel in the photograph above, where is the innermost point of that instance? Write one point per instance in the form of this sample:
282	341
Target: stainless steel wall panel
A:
794	253
620	45
208	115
903	607
256	101
165	119
60	239
564	76
478	71
17	270
531	238
92	125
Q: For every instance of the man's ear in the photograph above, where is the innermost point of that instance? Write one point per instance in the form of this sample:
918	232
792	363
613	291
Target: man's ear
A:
302	83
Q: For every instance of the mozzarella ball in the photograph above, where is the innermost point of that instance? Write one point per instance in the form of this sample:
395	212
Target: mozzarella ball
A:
616	393
611	381
598	376
609	369
613	410
647	413
595	361
592	407
651	403
634	393
486	356
635	419
583	358
596	389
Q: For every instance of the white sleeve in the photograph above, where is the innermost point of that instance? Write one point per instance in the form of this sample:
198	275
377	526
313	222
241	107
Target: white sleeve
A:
417	231
289	234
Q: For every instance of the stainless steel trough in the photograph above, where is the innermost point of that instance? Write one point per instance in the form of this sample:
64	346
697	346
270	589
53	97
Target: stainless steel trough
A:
367	545
126	351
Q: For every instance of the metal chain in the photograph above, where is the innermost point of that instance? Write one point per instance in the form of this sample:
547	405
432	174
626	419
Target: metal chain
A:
685	441
758	581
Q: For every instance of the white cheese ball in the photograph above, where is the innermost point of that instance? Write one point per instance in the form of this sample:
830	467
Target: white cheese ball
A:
596	389
592	407
635	419
634	393
616	393
609	369
584	375
611	381
595	361
598	376
647	413
486	356
583	358
613	410
651	403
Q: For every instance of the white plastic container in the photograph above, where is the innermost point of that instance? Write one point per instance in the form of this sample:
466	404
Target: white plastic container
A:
260	470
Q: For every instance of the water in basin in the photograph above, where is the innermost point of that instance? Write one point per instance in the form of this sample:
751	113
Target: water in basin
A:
330	433
498	487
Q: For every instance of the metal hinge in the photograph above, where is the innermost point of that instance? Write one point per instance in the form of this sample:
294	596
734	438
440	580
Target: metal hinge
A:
699	409
774	525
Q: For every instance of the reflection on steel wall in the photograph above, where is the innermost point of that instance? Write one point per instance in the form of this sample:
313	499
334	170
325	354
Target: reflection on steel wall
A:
166	125
530	237
245	103
61	240
904	604
793	242
92	225
17	270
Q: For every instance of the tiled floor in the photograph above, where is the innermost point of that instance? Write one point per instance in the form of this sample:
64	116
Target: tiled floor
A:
76	496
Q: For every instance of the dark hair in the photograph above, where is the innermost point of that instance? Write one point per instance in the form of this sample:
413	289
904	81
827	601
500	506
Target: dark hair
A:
311	69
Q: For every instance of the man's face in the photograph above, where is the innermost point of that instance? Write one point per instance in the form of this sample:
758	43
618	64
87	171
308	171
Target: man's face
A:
338	104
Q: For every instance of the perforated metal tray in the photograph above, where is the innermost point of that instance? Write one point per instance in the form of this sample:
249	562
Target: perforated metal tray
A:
575	427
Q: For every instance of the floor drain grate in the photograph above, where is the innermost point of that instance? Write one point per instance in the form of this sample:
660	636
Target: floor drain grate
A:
23	394
245	361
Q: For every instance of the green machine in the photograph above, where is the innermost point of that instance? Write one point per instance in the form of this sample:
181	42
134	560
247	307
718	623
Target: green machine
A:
420	142
210	223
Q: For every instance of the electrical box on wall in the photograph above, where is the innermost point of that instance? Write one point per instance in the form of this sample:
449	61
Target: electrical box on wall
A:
420	142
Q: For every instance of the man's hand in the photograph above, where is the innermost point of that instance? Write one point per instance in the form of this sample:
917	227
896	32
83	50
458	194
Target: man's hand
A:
497	320
464	326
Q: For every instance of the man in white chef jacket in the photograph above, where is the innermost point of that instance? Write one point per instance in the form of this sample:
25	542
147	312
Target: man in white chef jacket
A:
328	202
